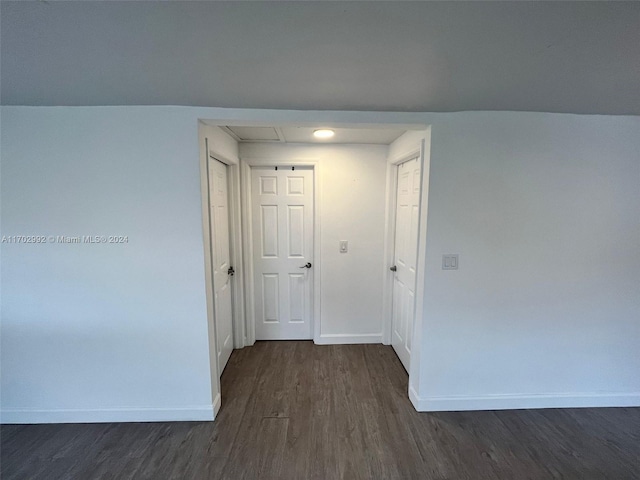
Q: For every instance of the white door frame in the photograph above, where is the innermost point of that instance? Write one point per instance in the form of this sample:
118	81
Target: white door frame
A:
210	149
212	162
245	171
420	148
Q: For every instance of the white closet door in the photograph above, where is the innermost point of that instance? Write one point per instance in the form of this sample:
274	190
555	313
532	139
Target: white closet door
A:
282	227
406	254
220	258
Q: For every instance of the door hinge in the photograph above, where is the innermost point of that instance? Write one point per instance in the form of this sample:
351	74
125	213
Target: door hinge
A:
231	271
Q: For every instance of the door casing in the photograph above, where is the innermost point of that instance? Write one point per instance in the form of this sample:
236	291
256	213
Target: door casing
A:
211	149
245	171
222	345
421	148
401	341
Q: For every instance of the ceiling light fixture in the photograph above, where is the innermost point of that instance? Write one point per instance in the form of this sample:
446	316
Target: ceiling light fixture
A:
323	133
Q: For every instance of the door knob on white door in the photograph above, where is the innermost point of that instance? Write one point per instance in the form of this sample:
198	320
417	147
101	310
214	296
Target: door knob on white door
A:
308	265
393	269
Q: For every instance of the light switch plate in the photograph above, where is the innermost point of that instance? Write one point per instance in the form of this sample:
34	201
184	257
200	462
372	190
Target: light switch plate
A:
344	246
450	261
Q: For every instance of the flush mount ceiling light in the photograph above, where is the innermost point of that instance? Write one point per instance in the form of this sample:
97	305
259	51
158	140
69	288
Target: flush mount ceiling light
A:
323	133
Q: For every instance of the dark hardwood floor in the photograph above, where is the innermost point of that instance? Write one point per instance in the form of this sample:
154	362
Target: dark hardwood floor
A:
294	410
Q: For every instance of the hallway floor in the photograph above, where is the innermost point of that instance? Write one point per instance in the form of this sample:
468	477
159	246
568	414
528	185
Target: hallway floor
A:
294	410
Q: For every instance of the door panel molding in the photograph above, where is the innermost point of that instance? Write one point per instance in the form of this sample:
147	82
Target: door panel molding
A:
421	148
222	284
214	144
246	164
389	243
405	258
283	243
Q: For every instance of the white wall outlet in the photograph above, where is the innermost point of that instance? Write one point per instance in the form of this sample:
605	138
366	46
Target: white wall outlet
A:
450	261
344	246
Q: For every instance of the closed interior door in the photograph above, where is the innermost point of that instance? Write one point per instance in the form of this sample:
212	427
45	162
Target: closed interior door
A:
405	258
282	226
220	258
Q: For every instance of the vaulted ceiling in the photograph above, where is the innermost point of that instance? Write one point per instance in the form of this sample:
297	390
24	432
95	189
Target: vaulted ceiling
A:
405	56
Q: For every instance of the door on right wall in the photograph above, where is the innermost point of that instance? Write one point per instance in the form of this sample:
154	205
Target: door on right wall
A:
405	258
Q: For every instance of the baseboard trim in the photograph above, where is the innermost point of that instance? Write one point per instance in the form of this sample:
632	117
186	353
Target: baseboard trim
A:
525	401
217	403
344	339
415	400
185	414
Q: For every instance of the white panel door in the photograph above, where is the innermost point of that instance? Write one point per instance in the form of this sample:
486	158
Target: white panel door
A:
405	258
220	259
282	226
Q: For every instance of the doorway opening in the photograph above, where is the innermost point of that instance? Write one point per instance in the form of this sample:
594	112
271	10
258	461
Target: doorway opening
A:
326	237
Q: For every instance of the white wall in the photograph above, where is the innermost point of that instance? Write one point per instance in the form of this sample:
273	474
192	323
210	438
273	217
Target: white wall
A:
103	332
544	310
543	210
352	207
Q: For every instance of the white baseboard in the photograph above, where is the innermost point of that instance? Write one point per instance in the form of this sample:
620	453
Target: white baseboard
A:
186	414
525	401
343	339
415	400
216	405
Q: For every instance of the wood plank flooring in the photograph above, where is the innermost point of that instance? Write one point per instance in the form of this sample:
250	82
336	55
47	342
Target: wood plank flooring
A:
295	410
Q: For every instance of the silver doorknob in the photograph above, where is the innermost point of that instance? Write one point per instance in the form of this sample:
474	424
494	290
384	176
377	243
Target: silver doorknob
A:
308	265
394	268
